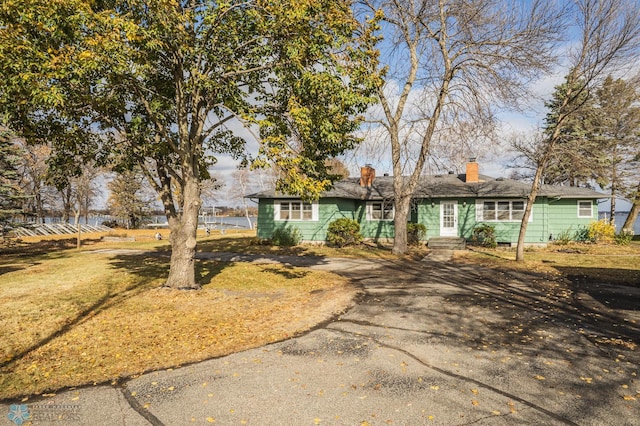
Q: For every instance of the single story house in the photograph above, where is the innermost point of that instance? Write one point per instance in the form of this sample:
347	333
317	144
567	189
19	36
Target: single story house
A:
449	205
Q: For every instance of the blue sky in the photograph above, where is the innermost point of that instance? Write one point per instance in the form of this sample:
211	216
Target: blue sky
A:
493	164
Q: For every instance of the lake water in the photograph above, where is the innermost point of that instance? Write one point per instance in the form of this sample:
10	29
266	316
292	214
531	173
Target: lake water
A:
241	222
620	218
217	222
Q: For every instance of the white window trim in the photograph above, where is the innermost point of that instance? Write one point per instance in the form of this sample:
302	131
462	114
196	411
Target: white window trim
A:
369	211
480	210
276	211
590	209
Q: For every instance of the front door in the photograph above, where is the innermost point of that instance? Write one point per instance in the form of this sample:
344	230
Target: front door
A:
449	219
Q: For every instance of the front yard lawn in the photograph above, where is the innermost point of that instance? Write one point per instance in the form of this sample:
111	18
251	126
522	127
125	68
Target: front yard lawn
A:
602	263
72	318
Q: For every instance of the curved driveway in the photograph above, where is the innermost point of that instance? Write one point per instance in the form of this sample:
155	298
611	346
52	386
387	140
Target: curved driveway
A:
426	343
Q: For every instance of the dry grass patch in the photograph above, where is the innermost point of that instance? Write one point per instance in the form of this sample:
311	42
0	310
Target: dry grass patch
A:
73	318
584	262
247	243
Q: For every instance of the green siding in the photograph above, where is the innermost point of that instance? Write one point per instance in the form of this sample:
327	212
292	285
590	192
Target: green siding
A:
507	232
563	216
373	229
429	216
329	209
550	217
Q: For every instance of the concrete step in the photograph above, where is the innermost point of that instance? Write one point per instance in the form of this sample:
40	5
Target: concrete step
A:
446	243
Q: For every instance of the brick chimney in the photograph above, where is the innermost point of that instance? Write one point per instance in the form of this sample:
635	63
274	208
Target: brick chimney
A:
472	175
367	175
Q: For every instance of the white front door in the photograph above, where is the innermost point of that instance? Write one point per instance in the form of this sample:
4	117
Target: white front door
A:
449	219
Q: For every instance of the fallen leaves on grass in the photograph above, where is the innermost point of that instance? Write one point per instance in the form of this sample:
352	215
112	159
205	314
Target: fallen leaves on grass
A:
242	306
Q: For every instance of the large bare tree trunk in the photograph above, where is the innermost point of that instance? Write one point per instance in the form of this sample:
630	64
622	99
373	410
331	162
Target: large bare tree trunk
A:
610	37
614	189
183	227
457	64
402	206
633	214
531	199
537	178
246	214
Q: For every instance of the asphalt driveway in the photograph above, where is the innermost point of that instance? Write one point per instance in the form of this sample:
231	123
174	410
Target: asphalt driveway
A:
427	342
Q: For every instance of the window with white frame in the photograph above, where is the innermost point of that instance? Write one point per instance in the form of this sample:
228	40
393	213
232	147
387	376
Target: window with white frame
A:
295	210
500	210
380	210
585	208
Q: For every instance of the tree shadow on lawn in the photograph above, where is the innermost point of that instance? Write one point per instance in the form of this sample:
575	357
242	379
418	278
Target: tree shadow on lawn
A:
616	289
287	271
544	327
26	255
146	268
250	245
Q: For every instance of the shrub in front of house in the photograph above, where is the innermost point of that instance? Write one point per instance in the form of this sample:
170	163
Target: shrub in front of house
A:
601	231
569	236
624	237
565	237
484	235
286	237
582	234
415	233
343	232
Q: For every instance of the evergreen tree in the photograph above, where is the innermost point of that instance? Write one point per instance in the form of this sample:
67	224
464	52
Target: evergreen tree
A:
609	40
128	200
10	193
617	128
578	158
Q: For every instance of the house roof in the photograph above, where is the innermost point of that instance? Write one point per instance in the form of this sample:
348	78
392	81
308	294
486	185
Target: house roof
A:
445	186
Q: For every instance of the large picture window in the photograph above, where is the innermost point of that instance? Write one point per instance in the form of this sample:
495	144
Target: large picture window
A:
500	211
585	209
295	210
380	210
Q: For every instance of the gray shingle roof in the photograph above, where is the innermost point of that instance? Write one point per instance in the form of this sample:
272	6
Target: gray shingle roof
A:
445	186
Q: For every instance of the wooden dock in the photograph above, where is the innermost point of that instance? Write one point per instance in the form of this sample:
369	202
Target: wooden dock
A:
43	229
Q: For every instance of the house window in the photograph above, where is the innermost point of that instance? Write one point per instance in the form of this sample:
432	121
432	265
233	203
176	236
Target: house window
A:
517	210
295	210
380	210
500	211
585	209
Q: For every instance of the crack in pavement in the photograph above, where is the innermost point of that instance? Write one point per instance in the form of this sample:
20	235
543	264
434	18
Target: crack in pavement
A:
535	326
461	377
138	408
